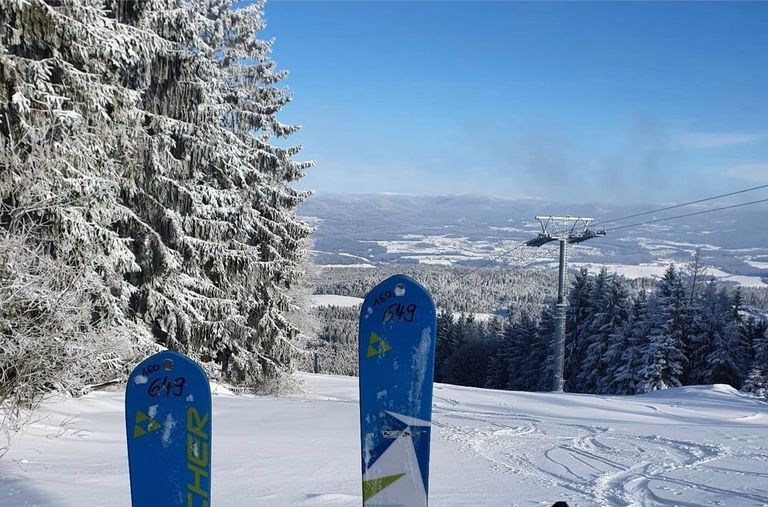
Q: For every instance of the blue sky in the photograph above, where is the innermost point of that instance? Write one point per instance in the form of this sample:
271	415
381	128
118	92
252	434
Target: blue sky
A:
651	102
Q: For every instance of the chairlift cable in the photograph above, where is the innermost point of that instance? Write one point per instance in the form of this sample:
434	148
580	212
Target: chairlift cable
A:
679	205
689	214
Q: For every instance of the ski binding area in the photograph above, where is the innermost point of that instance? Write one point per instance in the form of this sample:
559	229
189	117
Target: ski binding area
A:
702	445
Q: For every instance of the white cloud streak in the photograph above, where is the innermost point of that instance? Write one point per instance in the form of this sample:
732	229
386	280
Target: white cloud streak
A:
757	172
708	140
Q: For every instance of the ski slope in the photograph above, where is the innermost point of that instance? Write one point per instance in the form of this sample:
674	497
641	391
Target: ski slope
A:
703	445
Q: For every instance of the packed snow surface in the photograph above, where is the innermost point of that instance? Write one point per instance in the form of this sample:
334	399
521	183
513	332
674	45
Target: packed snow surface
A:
703	445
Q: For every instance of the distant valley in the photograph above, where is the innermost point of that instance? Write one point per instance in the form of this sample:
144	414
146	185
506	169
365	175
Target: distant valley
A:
471	230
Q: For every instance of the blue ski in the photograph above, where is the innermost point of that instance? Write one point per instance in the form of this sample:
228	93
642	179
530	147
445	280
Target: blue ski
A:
397	355
168	426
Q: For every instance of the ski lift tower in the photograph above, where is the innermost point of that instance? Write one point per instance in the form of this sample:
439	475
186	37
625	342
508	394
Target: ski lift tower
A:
565	229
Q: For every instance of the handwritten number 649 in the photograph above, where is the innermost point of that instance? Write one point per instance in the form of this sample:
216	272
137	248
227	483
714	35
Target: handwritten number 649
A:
405	313
164	385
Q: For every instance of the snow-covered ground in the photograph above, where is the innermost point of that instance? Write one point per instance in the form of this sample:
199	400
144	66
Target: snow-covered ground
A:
705	445
334	300
657	269
759	265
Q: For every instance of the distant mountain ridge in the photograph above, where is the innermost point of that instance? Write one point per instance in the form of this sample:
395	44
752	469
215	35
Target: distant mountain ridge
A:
473	230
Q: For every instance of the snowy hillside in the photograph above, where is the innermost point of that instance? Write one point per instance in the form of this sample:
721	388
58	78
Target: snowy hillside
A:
703	445
334	300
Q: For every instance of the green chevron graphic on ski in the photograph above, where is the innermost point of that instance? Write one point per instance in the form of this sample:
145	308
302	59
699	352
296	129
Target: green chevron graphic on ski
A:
374	486
138	430
377	346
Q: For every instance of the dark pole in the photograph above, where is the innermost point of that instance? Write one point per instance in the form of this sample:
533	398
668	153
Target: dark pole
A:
559	345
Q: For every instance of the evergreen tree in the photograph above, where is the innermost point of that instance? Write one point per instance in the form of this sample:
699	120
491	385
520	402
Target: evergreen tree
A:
695	274
720	351
728	357
756	381
608	312
625	352
602	311
546	334
529	353
149	126
663	359
576	328
446	343
468	364
612	340
67	130
214	228
695	282
709	321
497	371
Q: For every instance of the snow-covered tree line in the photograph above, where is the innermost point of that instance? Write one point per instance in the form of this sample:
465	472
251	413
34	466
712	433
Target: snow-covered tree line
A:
454	288
144	198
333	348
686	330
622	337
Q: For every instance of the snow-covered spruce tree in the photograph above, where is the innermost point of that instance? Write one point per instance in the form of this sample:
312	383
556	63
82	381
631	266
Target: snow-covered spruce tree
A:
136	140
663	359
212	213
67	131
695	274
695	280
497	369
721	349
529	351
756	382
708	321
595	338
623	373
446	343
468	361
612	318
577	328
546	334
716	350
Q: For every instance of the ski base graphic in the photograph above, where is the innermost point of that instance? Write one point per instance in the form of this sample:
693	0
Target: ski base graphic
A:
396	354
168	428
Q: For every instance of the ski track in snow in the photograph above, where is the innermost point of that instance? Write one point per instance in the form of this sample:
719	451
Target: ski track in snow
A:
601	465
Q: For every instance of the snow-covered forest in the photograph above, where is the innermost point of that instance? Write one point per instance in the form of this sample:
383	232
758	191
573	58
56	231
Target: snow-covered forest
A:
622	336
146	195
